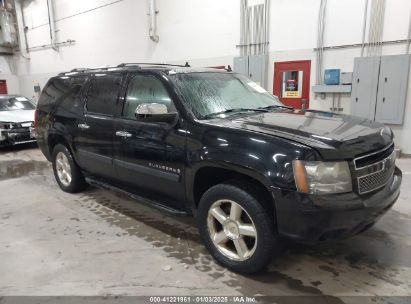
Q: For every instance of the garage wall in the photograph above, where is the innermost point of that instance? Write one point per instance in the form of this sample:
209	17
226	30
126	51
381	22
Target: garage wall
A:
202	32
187	29
199	31
8	73
205	33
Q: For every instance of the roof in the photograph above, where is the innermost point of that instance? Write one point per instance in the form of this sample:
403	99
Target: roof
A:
142	66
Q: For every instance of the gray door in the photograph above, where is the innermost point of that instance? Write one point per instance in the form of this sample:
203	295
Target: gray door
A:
256	69
364	87
392	89
241	65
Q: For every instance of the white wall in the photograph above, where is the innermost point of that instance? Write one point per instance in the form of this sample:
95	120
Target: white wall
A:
203	32
119	32
293	24
8	73
109	32
197	29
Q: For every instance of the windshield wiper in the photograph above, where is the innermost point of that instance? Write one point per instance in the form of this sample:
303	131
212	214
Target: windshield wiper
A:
275	107
237	110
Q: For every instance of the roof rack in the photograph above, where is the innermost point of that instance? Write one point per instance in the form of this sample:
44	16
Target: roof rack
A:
123	65
79	70
82	70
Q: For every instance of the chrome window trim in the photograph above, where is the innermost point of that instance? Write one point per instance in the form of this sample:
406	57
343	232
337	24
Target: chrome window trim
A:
375	164
376	152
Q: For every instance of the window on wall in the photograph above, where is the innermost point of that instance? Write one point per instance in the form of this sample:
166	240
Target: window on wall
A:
103	94
145	89
292	86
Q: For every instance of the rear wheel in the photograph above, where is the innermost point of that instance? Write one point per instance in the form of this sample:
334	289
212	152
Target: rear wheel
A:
236	228
67	173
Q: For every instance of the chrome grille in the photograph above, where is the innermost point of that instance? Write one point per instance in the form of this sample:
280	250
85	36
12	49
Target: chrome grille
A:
374	181
377	174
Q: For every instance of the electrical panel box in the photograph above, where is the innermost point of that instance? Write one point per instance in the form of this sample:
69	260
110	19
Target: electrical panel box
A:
365	86
240	65
332	77
257	69
254	67
379	88
392	89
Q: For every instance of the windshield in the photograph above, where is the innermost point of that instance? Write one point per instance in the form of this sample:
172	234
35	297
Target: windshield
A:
219	93
16	103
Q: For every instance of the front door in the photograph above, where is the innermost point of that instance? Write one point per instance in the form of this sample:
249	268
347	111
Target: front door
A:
292	82
96	154
149	154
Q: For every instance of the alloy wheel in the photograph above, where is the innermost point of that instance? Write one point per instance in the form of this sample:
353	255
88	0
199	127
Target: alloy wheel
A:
63	169
232	230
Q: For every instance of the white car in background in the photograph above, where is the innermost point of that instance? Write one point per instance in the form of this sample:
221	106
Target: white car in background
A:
16	120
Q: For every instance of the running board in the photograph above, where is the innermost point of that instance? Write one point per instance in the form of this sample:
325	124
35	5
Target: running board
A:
145	201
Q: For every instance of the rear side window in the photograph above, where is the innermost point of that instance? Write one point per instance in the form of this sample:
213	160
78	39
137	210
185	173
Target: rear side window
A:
55	89
103	93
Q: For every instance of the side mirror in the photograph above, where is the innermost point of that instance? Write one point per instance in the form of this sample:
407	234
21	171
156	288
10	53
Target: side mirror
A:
155	112
151	109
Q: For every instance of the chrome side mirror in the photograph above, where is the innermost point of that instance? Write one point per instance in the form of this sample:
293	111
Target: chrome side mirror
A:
150	109
155	113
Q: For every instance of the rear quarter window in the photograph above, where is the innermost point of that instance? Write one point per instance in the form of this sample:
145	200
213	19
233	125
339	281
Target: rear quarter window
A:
54	90
71	102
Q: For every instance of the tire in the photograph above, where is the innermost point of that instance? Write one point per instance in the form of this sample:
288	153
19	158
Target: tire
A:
76	182
227	237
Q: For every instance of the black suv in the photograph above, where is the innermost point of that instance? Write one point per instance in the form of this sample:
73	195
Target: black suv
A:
216	145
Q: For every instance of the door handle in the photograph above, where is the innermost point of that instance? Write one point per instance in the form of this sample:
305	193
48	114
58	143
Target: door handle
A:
83	126
123	134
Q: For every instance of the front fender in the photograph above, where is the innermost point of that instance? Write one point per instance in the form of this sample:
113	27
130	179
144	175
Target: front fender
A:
227	165
264	158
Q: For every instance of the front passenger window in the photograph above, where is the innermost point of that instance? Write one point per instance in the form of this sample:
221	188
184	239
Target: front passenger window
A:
146	89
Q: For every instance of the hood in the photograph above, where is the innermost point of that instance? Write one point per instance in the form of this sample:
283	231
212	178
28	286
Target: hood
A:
334	136
17	116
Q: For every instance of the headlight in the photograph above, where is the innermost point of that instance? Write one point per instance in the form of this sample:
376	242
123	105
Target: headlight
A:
318	177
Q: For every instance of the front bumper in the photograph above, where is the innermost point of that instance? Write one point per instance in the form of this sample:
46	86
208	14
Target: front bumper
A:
312	218
12	137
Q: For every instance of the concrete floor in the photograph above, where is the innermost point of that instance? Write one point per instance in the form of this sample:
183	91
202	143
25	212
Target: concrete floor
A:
100	243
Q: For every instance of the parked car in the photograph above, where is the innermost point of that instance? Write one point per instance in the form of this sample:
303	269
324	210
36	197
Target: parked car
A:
216	145
16	120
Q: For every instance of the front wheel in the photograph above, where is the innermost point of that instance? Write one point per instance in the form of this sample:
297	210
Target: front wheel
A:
67	173
236	228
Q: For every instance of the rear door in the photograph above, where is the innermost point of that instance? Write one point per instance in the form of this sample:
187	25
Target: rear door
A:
101	100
